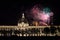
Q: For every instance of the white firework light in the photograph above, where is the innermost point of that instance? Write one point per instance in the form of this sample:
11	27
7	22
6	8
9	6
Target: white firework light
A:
43	15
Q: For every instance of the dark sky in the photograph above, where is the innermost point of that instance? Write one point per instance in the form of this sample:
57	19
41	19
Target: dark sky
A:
10	11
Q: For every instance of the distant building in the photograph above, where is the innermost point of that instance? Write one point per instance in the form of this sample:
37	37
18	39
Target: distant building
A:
23	22
23	29
35	23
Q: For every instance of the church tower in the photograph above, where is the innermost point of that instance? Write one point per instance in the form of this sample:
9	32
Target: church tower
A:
23	22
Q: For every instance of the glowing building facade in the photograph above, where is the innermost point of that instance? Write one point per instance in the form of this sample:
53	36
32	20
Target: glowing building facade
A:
23	29
23	22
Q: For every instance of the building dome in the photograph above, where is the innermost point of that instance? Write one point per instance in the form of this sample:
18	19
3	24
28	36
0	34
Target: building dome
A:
23	22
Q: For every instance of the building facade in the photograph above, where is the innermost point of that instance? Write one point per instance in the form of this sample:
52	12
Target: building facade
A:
23	29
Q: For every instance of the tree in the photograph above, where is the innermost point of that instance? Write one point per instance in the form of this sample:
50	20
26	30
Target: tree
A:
46	30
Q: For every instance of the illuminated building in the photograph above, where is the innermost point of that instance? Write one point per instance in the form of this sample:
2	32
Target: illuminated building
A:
23	22
35	23
23	29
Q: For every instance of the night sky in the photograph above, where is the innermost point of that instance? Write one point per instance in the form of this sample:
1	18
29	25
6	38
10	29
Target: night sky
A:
10	12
